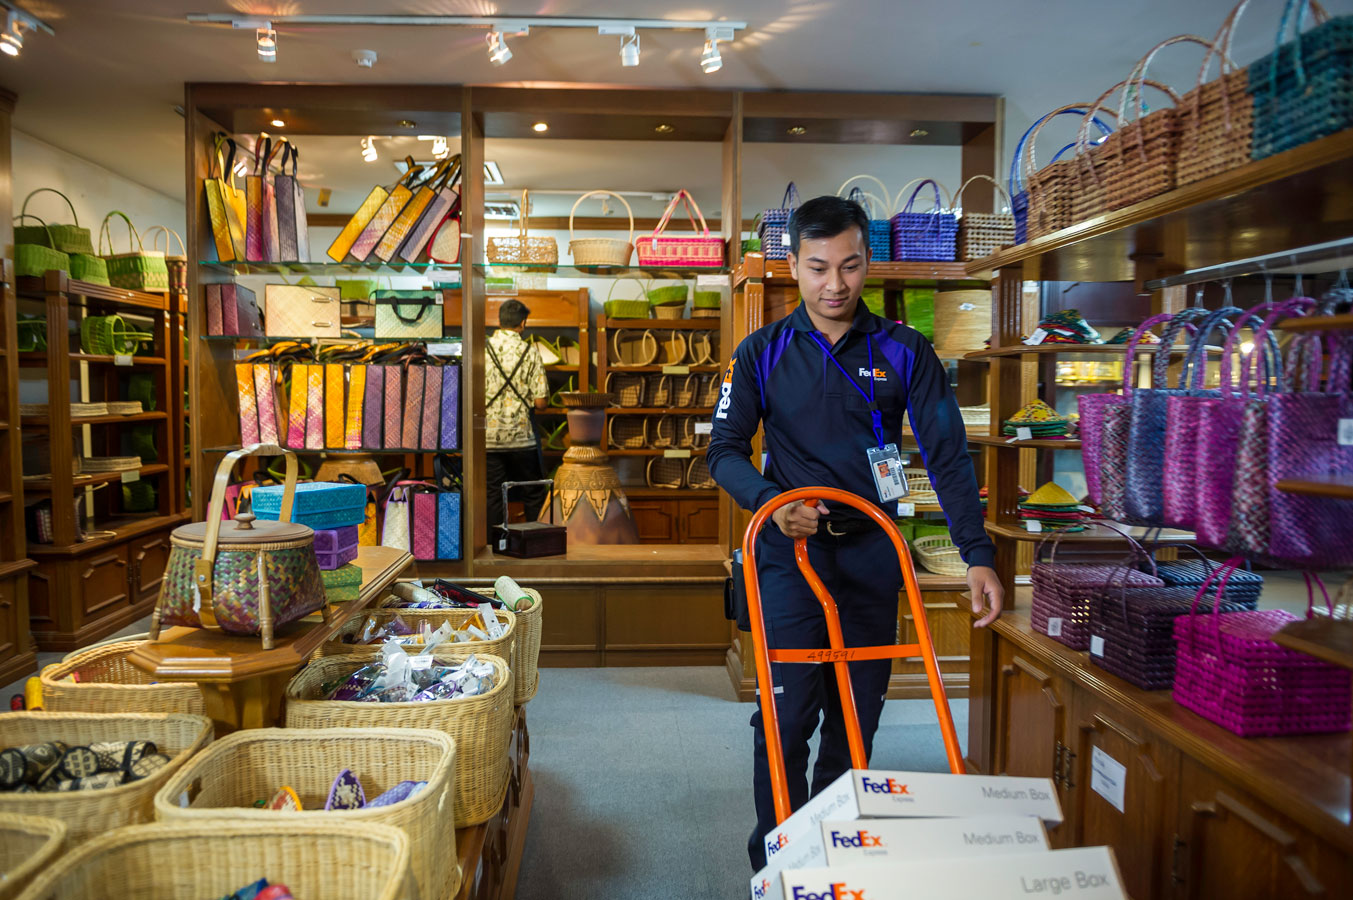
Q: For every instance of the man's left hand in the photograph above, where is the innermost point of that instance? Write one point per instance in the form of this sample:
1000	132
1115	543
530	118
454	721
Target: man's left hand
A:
985	586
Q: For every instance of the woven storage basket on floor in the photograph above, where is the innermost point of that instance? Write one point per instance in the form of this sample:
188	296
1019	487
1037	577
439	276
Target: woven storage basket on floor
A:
110	684
27	845
172	861
671	348
526	653
658	391
982	234
697	474
481	726
627	432
522	249
919	488
600	251
222	782
632	347
500	646
665	473
663	433
707	395
91	813
687	389
937	553
628	388
702	349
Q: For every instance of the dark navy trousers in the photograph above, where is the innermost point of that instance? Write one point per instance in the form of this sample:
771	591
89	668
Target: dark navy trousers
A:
863	575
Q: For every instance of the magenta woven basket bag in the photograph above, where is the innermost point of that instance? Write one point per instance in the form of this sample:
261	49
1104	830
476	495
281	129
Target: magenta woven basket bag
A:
1229	671
694	251
1092	408
1109	423
1064	593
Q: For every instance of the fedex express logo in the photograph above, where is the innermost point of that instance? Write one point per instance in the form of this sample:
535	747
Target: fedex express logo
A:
855	839
780	843
726	391
759	891
887	786
837	891
879	374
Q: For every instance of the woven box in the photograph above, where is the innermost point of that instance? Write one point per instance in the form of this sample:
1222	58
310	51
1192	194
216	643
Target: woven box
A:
336	547
1064	592
342	585
318	504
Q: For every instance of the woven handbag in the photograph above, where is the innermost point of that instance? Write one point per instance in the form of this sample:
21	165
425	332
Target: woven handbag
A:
626	308
774	228
1018	192
110	336
66	238
1054	188
408	315
36	260
1302	90
633	347
600	251
924	236
438	230
698	251
880	229
662	472
224	201
176	263
982	234
627	388
523	250
138	269
413	211
1216	118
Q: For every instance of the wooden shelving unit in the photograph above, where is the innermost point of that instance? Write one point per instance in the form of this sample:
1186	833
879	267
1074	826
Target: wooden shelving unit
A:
17	649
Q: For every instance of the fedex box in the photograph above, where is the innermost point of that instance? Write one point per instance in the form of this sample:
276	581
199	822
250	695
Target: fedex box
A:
900	840
1084	873
880	794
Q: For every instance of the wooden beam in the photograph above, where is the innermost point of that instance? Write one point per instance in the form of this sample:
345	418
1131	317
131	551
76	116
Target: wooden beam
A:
474	527
830	105
540	223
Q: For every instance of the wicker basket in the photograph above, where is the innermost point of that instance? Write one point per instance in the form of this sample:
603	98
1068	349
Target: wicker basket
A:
600	251
222	782
687	390
632	347
1216	118
938	554
700	312
962	321
628	388
90	813
663	434
119	639
702	348
697	474
686	434
707	394
481	726
626	308
1051	188
982	234
36	260
627	432
1140	155
138	269
699	250
110	684
665	473
500	646
672	348
691	435
919	488
658	391
669	312
523	250
173	861
109	335
27	845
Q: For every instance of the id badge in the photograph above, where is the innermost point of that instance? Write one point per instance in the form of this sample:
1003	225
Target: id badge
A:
885	464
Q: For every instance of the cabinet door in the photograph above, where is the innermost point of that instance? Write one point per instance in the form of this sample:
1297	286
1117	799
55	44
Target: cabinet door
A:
13	631
1232	845
104	582
1122	783
656	520
1032	707
149	557
699	521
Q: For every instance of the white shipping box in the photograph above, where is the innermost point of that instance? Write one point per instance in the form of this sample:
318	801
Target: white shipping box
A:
1083	873
880	794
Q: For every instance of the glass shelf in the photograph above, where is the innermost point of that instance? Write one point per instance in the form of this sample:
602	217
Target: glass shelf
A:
657	273
327	267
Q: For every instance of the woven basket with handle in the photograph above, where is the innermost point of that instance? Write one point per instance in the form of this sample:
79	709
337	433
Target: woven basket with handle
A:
632	347
665	473
691	436
702	351
1050	188
938	554
671	348
70	239
177	264
1216	118
600	251
222	783
626	308
919	488
177	861
627	387
658	392
37	259
481	726
523	249
701	250
982	234
875	204
27	845
500	646
138	269
663	433
627	432
101	680
1139	157
687	389
708	392
697	474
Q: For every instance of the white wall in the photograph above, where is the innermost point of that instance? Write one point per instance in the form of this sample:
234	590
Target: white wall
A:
92	189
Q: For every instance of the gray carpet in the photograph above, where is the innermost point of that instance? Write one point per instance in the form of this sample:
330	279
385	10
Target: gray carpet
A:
643	781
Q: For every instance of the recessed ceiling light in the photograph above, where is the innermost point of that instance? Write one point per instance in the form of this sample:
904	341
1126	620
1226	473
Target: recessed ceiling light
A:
540	127
919	132
406	123
664	129
278	123
798	129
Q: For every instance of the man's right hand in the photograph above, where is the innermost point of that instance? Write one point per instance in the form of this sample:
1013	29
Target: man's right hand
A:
796	520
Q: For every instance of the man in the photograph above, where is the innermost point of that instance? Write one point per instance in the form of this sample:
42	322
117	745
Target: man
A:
830	384
514	381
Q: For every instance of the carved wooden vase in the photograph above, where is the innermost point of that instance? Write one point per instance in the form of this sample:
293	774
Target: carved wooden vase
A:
587	495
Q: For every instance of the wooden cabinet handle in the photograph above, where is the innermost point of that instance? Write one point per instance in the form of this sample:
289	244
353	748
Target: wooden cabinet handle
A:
5	604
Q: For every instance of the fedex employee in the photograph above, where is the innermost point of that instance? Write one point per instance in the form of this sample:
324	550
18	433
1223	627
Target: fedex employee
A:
830	384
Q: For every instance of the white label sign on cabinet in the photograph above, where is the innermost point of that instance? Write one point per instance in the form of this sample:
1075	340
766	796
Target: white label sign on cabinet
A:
1346	432
1108	778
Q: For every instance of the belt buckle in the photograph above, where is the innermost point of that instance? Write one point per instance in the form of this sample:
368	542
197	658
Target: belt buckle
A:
831	529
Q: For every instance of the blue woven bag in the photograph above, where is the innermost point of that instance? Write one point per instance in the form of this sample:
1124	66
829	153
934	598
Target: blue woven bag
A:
1303	90
927	236
880	233
448	525
1019	194
774	224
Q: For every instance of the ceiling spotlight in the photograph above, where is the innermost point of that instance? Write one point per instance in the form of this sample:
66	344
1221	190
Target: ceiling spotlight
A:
11	41
540	127
278	123
365	59
629	50
439	148
710	60
369	149
797	129
664	129
498	50
267	43
919	132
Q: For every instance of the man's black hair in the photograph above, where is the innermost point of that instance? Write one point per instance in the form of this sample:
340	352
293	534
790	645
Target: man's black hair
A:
824	217
512	313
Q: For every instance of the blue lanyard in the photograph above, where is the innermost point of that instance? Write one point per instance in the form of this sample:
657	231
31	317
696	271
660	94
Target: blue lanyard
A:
875	415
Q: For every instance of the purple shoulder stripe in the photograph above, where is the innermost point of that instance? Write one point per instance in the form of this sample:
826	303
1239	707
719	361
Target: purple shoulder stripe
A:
770	357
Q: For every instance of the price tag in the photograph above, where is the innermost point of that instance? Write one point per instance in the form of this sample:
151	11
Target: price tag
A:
447	348
440	297
1096	645
1055	626
1346	432
906	510
420	662
1035	527
502	544
1036	338
784	239
676	370
1024	434
704	427
713	280
676	454
130	476
122	359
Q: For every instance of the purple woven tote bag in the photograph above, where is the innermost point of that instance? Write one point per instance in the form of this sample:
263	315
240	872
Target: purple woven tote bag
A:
927	236
1109	418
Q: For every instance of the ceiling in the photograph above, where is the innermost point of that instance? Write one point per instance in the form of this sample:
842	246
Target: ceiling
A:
105	87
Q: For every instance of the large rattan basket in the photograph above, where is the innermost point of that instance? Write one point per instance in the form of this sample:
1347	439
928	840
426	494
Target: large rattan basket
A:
222	782
500	646
526	655
692	435
90	813
481	726
176	861
633	347
109	683
27	845
522	249
600	251
627	432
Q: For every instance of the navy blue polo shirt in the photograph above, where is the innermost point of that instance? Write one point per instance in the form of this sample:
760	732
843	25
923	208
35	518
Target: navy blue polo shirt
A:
818	427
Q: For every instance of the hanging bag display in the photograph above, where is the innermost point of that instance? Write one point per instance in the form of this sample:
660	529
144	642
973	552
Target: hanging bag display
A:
408	315
444	207
138	269
523	249
1114	414
774	228
387	213
293	229
411	212
225	201
982	234
600	251
699	251
36	260
924	236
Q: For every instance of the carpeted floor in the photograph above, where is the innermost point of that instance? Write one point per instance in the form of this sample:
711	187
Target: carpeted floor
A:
643	782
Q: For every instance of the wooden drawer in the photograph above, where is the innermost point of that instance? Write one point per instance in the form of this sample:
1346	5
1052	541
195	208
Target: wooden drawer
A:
102	581
13	624
148	558
656	520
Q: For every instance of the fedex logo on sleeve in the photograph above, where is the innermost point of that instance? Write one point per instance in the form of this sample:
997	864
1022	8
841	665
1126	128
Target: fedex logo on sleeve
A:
837	891
887	786
726	391
859	839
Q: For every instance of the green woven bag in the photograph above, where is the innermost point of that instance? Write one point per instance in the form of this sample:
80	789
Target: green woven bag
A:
89	269
623	308
669	295
707	300
66	238
109	336
38	259
138	270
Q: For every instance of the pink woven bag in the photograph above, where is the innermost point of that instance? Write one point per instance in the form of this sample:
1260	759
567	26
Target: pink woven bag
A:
697	251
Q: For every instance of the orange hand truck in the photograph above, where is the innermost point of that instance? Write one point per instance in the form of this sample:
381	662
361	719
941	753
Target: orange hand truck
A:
838	654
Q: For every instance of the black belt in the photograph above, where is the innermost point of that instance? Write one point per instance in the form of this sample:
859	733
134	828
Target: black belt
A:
844	527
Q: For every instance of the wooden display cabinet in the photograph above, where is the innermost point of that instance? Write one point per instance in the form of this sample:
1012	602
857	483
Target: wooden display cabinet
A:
17	650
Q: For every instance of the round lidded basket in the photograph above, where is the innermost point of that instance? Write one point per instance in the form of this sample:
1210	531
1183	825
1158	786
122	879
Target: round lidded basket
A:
600	251
109	683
